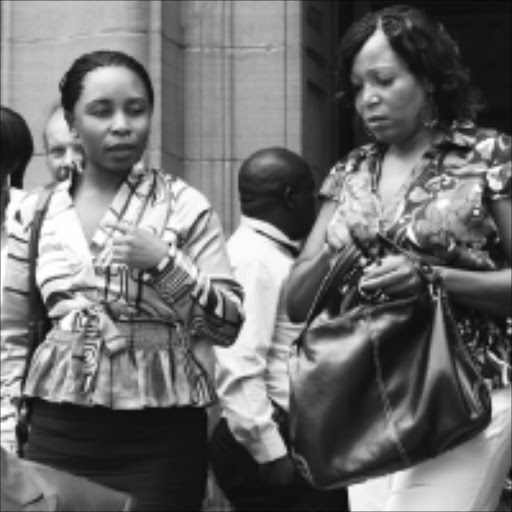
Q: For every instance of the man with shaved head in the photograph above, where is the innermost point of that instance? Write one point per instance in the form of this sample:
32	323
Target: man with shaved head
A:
249	446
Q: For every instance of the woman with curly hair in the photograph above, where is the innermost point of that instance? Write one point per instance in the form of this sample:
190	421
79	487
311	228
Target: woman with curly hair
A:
437	184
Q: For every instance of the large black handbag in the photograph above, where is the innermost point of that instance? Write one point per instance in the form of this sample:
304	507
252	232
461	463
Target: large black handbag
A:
379	385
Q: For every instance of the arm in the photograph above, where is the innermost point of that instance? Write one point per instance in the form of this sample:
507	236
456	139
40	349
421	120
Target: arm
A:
194	279
490	292
312	265
197	280
241	368
14	331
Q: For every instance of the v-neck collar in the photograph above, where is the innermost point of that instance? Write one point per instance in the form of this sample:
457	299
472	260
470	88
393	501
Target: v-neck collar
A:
125	205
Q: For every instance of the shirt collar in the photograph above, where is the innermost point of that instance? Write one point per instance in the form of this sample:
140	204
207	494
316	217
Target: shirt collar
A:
270	230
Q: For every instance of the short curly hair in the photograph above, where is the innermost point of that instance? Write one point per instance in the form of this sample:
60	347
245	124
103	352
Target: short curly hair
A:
428	50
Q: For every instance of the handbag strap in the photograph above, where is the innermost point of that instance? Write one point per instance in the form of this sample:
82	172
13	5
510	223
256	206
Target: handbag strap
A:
344	261
37	309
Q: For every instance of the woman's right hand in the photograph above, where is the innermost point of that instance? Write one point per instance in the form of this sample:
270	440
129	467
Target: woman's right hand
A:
394	276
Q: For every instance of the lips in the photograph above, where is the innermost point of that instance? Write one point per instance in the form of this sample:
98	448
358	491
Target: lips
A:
121	147
376	120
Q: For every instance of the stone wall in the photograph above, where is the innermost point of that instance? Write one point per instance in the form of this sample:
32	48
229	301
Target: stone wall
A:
226	76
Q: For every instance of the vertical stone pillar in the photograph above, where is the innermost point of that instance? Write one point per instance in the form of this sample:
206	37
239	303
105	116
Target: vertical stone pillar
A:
242	90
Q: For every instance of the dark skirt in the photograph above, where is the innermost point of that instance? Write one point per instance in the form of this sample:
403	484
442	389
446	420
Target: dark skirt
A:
159	456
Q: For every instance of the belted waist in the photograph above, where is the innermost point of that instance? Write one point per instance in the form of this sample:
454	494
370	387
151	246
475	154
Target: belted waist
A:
136	335
88	344
89	358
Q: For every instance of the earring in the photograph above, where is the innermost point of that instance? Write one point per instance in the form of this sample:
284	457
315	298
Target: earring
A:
431	113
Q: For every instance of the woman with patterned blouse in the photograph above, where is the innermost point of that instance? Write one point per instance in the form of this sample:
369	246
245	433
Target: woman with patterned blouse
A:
435	183
133	271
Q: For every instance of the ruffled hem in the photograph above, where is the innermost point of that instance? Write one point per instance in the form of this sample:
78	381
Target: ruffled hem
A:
159	371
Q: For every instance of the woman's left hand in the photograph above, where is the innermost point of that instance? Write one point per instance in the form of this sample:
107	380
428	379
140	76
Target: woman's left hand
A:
393	275
137	248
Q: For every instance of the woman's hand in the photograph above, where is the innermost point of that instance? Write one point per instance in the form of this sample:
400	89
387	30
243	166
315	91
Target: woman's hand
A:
137	248
394	275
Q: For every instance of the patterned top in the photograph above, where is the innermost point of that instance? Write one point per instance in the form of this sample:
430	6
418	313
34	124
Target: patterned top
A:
121	338
441	211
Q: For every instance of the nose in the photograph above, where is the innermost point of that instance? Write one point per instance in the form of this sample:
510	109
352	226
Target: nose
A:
69	157
369	97
120	123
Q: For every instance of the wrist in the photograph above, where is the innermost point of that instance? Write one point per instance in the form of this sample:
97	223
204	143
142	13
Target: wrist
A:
166	260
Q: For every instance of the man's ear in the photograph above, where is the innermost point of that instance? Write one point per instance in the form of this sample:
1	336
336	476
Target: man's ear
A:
289	197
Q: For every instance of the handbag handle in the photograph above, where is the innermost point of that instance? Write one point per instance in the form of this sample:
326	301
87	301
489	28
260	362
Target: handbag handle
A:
344	261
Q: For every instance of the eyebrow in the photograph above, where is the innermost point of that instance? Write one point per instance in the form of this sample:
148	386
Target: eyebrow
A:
107	100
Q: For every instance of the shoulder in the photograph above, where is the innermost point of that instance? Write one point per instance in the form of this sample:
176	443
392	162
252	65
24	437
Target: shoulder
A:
187	199
188	203
22	206
350	164
487	144
253	254
488	154
16	197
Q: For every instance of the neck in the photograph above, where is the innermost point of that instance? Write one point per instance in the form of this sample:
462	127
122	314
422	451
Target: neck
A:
103	180
417	143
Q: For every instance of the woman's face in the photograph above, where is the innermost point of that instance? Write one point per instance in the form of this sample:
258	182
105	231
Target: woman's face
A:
388	97
112	118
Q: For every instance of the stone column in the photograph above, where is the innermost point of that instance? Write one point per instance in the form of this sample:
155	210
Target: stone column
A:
242	90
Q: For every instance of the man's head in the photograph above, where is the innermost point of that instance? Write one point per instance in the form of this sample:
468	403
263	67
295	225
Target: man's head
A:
61	146
277	186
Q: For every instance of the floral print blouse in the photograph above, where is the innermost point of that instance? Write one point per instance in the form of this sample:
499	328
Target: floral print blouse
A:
442	211
121	338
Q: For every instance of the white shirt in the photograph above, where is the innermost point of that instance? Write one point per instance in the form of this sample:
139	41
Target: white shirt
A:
254	370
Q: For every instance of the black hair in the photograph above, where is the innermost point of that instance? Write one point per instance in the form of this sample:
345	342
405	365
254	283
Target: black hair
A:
429	51
71	84
17	146
265	176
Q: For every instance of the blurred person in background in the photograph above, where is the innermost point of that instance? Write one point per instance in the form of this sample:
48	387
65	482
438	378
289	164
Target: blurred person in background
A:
249	447
17	148
64	151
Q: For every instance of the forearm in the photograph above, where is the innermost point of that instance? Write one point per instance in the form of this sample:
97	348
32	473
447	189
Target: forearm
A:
216	307
303	283
243	394
489	292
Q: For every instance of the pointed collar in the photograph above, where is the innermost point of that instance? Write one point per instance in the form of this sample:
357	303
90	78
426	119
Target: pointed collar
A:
269	230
